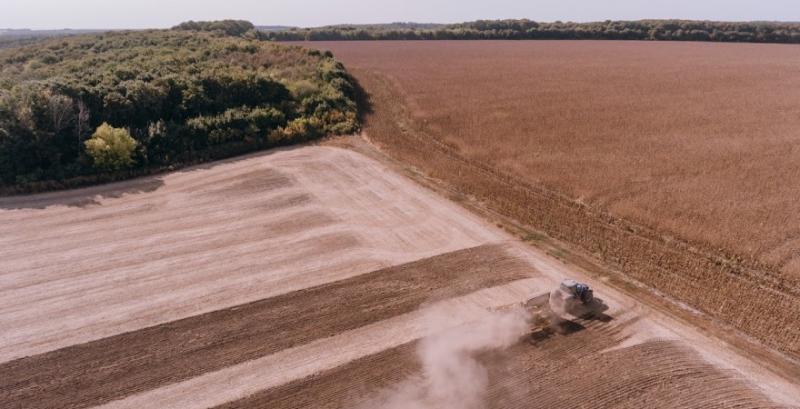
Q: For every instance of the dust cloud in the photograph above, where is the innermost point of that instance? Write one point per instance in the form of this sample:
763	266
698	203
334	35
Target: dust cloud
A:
557	305
452	376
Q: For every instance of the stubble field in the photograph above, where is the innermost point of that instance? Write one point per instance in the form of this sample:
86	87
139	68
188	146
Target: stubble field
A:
316	277
677	162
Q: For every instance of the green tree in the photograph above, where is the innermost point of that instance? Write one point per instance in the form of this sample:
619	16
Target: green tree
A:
111	148
236	28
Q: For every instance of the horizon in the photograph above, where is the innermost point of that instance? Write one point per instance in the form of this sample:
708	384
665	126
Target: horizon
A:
133	15
256	24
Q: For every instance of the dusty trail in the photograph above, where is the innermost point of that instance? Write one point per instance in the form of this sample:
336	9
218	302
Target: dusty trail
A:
561	371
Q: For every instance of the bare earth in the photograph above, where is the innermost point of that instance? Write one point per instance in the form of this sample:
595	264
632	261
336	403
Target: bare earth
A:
301	278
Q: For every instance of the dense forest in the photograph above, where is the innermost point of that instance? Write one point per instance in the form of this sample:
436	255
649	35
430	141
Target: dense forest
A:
84	109
676	30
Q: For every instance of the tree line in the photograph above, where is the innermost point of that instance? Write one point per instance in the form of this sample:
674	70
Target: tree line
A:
83	109
651	30
236	28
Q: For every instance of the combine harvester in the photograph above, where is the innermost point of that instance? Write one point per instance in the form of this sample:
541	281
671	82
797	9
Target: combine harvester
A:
553	312
571	297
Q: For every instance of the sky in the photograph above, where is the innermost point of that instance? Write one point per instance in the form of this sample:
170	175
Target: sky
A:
113	14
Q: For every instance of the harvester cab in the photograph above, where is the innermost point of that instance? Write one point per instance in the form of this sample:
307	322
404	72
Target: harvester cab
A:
555	312
571	298
579	291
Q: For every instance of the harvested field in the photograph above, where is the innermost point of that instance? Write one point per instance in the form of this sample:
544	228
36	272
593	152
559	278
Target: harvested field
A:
108	268
676	162
309	277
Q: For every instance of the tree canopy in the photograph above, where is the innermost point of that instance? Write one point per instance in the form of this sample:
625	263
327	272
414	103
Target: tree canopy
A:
111	148
235	28
182	96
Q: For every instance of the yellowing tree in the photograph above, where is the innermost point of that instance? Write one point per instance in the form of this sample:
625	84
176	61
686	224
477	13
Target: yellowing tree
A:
111	148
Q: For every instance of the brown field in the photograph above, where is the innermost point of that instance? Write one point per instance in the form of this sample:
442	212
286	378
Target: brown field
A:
307	277
677	162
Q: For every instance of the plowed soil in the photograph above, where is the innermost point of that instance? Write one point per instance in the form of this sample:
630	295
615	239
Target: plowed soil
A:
303	278
145	359
563	372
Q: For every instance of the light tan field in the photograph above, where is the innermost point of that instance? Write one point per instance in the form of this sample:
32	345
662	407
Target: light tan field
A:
306	277
88	267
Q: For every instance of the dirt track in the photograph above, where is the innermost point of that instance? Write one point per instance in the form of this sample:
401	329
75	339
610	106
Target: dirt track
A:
300	278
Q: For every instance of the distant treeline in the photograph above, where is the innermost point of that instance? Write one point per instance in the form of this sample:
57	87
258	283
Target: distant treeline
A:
14	38
236	28
11	42
84	109
676	30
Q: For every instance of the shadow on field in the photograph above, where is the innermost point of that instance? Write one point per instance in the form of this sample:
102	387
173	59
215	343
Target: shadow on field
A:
594	311
82	197
363	100
89	196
